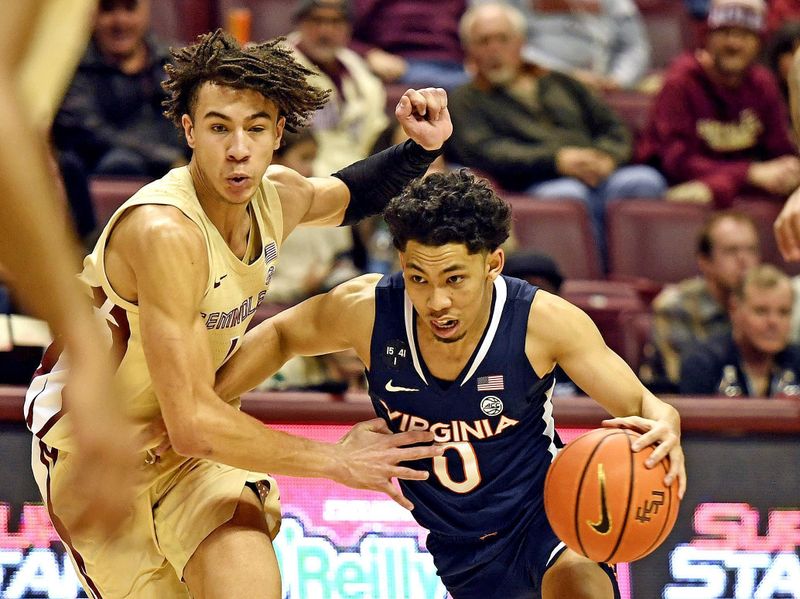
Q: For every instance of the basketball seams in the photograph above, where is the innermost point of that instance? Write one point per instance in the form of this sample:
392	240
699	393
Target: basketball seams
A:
660	536
596	448
631	480
570	498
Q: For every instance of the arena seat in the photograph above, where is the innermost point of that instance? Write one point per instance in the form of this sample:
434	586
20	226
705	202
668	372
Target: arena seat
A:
608	304
653	240
632	107
669	29
109	193
764	212
558	228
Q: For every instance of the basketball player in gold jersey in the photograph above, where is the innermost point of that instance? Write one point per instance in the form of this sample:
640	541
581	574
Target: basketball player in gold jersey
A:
178	272
40	45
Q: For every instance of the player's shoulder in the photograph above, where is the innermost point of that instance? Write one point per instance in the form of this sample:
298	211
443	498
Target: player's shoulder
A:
155	228
553	316
286	180
358	292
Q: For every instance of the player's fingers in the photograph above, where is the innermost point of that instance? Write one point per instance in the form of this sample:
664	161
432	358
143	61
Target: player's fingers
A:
376	425
635	423
435	101
418	453
418	102
410	438
404	108
397	495
787	234
409	473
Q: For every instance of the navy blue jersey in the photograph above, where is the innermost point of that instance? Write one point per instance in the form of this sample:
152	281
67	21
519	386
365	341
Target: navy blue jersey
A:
495	419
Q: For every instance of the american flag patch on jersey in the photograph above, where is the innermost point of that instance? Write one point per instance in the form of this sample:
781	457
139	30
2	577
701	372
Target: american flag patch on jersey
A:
270	252
490	383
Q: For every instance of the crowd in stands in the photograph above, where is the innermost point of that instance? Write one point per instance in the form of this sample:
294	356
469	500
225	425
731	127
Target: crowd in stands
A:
552	101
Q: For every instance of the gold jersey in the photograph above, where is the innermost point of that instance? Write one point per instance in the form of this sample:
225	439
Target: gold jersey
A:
234	290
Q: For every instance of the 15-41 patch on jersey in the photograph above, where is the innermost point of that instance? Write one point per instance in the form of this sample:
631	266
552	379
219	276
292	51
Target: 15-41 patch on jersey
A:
395	354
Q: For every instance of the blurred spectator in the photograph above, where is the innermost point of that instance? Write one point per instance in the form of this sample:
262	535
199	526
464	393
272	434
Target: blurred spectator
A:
602	43
755	358
719	127
355	114
110	122
695	310
414	42
780	12
541	270
315	259
780	49
538	131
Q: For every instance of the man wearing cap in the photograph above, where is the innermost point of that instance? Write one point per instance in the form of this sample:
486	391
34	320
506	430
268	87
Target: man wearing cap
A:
347	126
718	128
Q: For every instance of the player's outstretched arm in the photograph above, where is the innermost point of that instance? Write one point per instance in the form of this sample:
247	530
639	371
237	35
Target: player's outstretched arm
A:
564	334
334	321
40	257
365	187
159	244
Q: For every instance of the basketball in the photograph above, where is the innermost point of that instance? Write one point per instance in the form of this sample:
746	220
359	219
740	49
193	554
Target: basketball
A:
604	503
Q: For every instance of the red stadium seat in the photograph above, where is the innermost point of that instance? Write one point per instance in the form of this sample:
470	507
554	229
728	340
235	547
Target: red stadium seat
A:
109	193
559	228
764	212
608	304
669	29
632	107
654	240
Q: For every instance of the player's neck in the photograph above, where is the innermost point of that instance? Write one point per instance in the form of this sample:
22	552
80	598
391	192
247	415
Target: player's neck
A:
230	219
446	360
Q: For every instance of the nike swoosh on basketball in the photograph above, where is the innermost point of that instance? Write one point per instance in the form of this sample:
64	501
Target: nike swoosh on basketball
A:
392	388
219	282
604	525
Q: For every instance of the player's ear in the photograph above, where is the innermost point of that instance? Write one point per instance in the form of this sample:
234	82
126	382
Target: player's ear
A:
494	263
188	129
279	132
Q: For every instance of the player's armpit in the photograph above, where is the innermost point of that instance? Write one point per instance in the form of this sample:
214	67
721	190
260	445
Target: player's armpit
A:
338	320
561	333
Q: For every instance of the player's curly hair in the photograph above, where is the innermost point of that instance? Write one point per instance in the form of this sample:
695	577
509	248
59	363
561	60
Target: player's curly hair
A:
451	207
268	68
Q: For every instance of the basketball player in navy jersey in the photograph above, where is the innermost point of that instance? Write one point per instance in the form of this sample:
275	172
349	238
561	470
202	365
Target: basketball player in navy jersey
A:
453	347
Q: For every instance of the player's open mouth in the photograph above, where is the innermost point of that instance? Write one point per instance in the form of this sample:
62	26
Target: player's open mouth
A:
444	327
238	180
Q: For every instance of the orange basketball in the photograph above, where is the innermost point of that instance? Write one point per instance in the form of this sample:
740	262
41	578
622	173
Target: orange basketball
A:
604	503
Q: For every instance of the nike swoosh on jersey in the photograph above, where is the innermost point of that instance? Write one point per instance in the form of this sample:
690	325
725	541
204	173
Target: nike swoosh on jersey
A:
392	388
218	282
604	525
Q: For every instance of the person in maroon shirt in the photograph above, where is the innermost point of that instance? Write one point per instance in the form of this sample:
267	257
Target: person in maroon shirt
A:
719	125
411	41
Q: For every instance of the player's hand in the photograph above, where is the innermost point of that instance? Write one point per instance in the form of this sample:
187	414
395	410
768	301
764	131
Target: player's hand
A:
787	228
424	116
666	442
371	454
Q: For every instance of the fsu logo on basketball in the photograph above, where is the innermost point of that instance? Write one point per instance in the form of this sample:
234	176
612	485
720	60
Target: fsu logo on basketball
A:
491	405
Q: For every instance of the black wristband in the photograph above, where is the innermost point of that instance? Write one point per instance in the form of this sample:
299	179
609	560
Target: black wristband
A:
374	181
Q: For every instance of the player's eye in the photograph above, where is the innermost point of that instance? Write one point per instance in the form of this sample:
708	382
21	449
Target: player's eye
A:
257	129
455	279
417	279
218	128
